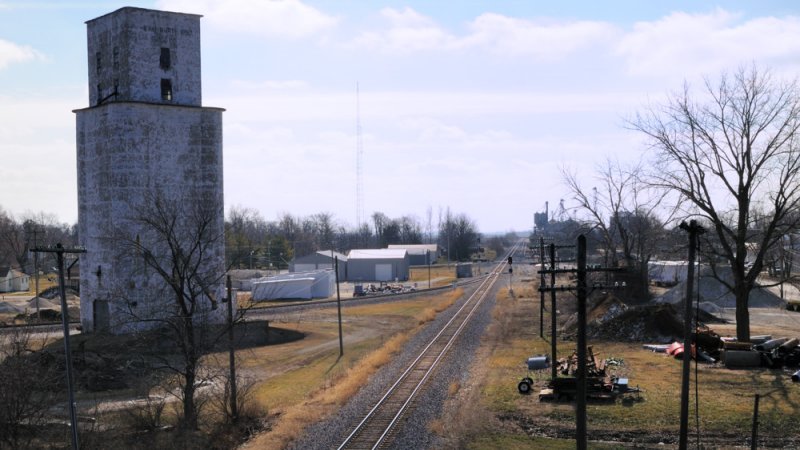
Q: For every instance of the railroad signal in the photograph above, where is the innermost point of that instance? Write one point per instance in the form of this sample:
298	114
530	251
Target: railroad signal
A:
510	274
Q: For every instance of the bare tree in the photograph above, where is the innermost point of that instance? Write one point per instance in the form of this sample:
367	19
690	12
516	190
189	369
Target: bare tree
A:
26	385
622	210
429	224
242	232
726	154
180	245
410	230
13	245
460	234
289	227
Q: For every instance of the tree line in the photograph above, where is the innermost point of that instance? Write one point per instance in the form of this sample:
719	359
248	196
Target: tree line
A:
726	156
254	242
20	234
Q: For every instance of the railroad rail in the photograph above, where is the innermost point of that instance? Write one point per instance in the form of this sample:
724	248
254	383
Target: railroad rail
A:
375	430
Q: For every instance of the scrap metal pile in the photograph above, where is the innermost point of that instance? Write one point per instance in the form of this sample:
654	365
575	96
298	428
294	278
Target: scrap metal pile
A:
600	383
761	351
383	288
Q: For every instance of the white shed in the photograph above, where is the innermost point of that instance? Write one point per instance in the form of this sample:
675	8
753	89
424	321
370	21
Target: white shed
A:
12	280
306	285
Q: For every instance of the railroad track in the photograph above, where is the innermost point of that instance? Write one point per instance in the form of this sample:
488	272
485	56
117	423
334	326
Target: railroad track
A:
377	427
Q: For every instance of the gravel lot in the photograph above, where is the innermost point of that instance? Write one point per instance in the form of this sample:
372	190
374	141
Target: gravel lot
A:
413	432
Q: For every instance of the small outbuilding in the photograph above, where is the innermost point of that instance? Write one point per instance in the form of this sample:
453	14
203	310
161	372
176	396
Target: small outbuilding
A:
320	260
419	254
12	280
464	270
377	265
305	285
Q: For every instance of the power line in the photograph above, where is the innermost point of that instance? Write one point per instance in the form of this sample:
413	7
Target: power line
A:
59	250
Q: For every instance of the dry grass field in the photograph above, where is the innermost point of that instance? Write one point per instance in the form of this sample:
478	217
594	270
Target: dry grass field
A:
313	381
440	275
291	367
490	413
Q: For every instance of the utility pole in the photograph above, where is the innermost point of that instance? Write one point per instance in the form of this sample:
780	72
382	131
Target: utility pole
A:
580	410
339	305
36	270
552	289
694	230
231	351
553	348
429	268
754	433
541	292
582	293
59	250
510	274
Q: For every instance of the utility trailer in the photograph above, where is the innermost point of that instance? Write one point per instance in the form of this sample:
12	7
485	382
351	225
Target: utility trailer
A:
601	389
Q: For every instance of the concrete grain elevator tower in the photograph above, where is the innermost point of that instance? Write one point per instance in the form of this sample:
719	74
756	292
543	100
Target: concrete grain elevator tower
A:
144	136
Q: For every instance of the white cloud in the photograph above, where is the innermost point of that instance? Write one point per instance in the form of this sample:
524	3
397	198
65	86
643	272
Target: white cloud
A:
37	137
509	35
409	31
707	43
11	53
312	106
283	18
277	85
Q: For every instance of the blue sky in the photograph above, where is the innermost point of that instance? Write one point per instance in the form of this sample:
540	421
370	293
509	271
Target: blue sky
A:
475	105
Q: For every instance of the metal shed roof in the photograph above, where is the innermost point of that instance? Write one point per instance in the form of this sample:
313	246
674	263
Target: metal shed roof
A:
416	249
341	256
377	253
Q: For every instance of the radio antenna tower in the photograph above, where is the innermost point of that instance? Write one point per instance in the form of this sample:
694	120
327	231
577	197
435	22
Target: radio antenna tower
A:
359	164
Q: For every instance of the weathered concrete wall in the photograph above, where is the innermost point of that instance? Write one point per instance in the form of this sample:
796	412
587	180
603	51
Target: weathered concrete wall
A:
127	152
125	51
135	148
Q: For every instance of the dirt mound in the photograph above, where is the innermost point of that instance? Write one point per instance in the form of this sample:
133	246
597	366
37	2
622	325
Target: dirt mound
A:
651	323
600	310
609	318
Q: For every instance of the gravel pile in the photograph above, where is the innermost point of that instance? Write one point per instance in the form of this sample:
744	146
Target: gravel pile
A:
6	308
413	432
712	291
43	304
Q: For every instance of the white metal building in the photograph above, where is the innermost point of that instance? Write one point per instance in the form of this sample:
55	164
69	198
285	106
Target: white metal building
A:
419	254
377	265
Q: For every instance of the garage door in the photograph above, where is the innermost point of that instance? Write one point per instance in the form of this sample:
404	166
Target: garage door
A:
383	272
304	267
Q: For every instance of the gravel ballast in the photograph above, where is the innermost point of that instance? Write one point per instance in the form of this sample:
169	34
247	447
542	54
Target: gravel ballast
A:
413	432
